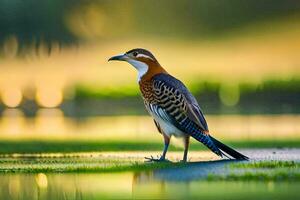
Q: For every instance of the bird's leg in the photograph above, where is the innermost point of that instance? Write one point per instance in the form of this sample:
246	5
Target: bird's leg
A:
186	148
167	142
163	156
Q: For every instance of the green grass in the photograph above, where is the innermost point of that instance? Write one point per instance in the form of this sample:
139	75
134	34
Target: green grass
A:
33	156
73	163
267	164
98	163
110	162
68	146
261	171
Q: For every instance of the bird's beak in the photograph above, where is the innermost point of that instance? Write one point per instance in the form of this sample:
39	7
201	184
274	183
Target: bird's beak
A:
121	57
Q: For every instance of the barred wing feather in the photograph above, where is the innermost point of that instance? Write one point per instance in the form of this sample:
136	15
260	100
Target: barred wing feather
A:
175	104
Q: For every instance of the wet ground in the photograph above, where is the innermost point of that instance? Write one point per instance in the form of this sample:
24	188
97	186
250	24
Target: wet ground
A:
201	169
185	182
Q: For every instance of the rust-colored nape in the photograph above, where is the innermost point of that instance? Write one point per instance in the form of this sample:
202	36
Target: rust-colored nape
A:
153	68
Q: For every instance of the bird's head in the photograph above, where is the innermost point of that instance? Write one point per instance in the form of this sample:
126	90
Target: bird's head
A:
142	59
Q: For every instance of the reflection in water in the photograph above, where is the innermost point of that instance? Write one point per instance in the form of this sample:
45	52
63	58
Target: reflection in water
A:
201	189
51	123
41	180
13	123
139	185
65	186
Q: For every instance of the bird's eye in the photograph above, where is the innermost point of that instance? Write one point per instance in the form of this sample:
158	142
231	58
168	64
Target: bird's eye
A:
134	54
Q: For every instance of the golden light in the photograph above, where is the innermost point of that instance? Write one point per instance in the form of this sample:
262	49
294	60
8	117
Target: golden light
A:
41	180
13	123
49	97
14	186
11	97
50	122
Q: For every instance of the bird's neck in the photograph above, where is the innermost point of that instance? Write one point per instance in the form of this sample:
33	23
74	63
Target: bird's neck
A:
145	82
151	71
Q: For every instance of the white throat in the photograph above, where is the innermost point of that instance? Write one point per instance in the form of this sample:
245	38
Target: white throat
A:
140	66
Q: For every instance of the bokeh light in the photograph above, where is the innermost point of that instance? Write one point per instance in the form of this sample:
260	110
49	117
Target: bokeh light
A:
11	97
64	106
49	97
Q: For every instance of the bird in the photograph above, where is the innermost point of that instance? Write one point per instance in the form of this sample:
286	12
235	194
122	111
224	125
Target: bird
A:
174	109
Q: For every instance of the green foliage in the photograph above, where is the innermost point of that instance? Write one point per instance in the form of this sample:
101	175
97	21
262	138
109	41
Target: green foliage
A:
191	19
85	92
34	26
207	18
198	88
271	96
272	85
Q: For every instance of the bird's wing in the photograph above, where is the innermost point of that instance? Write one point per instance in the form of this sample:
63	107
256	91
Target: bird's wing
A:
157	126
169	90
176	105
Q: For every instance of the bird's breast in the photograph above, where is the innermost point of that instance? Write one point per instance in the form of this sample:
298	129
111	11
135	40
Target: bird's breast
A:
146	88
157	113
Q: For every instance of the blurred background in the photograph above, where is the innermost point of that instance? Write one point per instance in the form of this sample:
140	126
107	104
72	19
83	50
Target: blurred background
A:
240	58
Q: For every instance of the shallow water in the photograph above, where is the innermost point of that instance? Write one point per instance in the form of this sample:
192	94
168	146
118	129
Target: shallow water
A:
173	183
135	185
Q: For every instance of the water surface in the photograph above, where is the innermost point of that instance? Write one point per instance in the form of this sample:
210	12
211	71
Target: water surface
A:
135	185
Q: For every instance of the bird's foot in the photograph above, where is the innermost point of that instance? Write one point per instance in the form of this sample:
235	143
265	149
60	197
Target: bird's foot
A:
158	159
184	160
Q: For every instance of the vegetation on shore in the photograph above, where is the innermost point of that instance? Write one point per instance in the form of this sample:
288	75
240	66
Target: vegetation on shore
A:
70	146
271	170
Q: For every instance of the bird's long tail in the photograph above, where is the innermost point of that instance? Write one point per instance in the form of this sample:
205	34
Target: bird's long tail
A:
207	141
228	150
